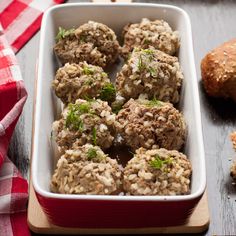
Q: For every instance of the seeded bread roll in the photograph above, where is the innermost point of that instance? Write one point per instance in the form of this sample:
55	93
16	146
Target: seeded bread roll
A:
233	166
219	71
233	139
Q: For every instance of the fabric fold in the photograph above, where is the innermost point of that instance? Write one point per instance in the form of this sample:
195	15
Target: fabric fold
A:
19	21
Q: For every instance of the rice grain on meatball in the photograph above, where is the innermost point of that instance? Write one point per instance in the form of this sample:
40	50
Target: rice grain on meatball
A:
74	81
157	34
86	170
150	72
151	124
157	172
85	122
93	42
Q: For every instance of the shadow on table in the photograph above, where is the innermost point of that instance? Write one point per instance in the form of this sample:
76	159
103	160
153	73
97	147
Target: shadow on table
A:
218	110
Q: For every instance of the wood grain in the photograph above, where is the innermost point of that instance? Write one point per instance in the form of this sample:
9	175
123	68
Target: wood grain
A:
213	22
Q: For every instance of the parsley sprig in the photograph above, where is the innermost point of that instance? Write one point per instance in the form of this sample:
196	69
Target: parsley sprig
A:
116	108
73	120
94	135
88	70
62	33
152	72
141	65
154	102
158	163
145	54
108	92
92	153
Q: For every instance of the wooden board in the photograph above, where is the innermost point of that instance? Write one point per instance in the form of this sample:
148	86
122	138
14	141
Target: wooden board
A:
38	223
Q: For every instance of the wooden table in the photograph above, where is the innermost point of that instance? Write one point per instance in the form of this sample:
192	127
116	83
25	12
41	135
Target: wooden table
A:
213	22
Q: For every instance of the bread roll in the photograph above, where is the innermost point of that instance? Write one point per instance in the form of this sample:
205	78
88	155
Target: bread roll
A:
233	139
218	69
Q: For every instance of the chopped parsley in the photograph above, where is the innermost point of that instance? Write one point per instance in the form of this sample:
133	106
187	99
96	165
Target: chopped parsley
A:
154	102
141	65
89	82
84	107
83	38
148	51
104	74
158	163
88	70
108	92
92	153
146	41
62	33
73	120
94	136
116	108
144	53
153	72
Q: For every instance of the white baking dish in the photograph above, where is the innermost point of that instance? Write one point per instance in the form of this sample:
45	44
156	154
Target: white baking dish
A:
169	209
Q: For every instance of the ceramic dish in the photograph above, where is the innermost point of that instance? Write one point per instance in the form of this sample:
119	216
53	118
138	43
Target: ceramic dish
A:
94	211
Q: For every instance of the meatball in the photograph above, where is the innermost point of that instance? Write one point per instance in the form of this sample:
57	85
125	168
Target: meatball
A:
218	69
92	42
85	122
155	33
82	80
157	172
86	170
150	72
151	124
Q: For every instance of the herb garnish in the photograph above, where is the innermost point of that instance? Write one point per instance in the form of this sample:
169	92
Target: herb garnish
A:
154	102
108	92
158	163
84	108
153	72
94	136
92	153
73	120
83	38
116	108
104	74
141	66
88	70
146	41
88	82
62	33
148	51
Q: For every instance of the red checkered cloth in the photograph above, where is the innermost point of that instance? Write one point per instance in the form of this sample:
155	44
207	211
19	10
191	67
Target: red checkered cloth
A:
13	188
20	19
